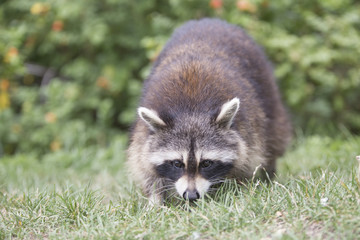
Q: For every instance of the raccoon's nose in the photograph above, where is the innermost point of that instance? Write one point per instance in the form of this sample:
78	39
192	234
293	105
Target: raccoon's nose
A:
191	195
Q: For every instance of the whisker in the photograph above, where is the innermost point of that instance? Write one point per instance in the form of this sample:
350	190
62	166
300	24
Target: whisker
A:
218	181
171	195
165	189
216	176
165	186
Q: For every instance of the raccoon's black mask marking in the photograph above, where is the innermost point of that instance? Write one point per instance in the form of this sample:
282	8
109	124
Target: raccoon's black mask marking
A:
217	170
167	170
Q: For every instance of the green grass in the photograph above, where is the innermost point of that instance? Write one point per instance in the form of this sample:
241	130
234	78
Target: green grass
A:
85	194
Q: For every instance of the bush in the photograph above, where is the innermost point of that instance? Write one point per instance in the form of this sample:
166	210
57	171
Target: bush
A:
71	71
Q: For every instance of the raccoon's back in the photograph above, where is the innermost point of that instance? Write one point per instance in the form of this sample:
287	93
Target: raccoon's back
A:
205	64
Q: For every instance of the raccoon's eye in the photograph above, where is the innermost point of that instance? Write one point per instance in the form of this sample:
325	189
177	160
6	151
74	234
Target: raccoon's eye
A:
177	164
206	163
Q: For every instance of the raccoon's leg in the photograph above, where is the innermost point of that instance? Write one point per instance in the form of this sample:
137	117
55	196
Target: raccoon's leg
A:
269	171
155	191
155	199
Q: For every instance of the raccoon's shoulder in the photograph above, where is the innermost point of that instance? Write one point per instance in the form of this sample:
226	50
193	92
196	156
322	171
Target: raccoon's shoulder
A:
194	36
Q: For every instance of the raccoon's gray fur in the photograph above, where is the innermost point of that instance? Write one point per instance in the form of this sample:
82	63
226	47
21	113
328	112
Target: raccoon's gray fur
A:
210	110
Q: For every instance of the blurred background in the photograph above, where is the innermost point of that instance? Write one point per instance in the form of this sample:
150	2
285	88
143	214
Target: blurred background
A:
71	71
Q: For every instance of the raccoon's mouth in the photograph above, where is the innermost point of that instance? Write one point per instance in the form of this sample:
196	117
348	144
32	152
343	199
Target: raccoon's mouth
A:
192	188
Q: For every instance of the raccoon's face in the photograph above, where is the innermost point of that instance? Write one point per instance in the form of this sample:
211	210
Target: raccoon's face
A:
194	152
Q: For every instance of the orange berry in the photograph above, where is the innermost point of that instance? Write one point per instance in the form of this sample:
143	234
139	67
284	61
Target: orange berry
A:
246	6
57	26
50	117
216	4
4	84
102	82
11	54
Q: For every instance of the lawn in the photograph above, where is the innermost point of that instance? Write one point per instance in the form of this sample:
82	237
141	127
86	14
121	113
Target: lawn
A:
85	194
71	74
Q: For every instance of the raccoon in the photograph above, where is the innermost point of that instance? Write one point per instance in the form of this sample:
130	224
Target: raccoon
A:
209	110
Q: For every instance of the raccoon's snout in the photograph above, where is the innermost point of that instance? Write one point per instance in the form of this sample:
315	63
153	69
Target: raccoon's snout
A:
191	195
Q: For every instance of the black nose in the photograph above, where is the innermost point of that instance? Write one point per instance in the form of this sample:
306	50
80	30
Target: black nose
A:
191	195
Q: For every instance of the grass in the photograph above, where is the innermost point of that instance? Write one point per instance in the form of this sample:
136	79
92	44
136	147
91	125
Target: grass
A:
85	194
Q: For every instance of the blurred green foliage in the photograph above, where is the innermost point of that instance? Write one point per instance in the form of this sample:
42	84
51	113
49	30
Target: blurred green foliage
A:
71	71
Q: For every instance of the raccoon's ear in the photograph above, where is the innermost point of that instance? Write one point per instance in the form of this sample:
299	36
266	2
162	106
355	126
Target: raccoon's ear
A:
228	112
151	118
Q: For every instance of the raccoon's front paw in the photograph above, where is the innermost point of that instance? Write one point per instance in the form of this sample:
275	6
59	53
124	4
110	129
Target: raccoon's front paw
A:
155	200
